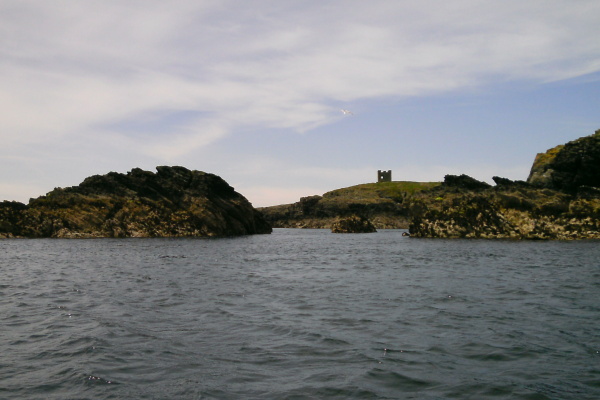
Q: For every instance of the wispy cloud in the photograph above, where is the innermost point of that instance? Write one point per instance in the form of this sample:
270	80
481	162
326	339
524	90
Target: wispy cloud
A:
70	68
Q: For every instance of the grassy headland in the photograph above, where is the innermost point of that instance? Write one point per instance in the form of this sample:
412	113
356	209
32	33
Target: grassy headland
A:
384	203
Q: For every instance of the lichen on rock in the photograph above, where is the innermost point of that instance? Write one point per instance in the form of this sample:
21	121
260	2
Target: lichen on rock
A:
570	166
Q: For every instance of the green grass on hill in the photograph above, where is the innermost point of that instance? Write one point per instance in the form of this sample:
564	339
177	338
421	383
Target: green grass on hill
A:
373	191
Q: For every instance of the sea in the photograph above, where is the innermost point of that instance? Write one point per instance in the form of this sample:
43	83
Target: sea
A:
299	314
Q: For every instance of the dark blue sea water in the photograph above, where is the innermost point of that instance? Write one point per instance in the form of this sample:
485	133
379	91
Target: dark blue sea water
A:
299	314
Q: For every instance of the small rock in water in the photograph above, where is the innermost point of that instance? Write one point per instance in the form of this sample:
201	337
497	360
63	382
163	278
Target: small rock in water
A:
353	224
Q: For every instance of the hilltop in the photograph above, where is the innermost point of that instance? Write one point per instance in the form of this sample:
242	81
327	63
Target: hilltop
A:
385	204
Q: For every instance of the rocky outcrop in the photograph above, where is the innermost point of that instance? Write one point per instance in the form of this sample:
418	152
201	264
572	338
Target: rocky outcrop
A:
510	210
464	182
560	200
353	224
570	166
173	202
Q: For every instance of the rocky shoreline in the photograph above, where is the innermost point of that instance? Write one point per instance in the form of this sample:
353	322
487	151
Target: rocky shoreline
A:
560	200
505	211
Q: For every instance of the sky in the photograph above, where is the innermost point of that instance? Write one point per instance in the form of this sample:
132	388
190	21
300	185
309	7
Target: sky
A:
252	91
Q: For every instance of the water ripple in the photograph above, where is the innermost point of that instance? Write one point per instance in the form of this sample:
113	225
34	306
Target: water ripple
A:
300	314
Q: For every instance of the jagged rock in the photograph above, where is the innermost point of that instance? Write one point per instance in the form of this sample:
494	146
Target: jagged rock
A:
173	202
509	183
570	166
464	182
353	224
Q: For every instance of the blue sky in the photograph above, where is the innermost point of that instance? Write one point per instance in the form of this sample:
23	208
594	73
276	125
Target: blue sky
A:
252	91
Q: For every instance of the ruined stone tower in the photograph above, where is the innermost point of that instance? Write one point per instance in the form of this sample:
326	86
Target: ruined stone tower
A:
384	176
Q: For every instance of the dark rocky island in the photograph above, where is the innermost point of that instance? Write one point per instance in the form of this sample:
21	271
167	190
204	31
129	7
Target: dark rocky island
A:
173	202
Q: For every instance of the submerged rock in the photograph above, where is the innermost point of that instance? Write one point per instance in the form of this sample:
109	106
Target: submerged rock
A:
353	224
173	202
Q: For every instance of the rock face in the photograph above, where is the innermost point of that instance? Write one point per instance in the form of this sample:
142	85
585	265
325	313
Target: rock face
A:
353	224
568	167
173	202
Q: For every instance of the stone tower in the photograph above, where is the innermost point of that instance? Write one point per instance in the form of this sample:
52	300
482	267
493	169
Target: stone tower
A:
384	176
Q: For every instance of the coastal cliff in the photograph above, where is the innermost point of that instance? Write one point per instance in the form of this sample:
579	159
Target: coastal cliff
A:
173	202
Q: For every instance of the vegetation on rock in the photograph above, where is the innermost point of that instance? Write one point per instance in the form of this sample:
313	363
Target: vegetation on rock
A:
174	202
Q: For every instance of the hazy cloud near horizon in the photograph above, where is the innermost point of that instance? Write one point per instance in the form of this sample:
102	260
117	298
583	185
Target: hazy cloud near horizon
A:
165	79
